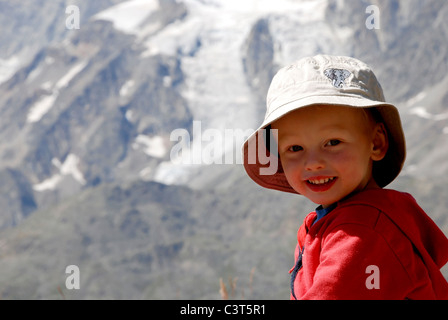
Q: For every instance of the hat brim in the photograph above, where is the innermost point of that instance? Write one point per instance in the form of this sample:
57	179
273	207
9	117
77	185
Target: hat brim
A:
384	172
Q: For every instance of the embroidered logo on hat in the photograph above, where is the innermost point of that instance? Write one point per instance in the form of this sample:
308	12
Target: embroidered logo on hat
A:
337	76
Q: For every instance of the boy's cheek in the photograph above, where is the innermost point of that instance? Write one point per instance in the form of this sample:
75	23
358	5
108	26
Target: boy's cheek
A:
293	176
291	168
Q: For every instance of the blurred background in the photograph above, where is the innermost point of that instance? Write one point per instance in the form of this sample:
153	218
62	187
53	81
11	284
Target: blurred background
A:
90	92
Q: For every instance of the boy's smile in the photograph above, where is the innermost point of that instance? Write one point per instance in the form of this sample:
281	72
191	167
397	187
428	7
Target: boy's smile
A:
327	151
321	184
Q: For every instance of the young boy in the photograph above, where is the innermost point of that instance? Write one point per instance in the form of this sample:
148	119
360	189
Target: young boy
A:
339	144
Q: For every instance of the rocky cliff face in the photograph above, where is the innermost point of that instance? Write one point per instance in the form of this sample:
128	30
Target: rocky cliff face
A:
86	118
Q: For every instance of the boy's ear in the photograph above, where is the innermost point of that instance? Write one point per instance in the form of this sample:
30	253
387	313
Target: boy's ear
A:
380	142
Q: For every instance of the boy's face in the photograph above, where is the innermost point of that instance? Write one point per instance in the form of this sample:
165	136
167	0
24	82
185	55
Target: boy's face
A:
327	151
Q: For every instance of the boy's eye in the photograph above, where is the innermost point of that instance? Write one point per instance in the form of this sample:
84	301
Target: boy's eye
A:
295	148
333	142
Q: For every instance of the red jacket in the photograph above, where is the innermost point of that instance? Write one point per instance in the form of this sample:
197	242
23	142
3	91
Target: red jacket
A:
378	244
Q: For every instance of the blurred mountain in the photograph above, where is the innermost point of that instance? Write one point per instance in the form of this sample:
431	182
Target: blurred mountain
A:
87	123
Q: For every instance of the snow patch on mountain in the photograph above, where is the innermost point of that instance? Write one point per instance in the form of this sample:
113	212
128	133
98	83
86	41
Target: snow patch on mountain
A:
152	146
43	105
422	112
127	88
128	16
65	80
8	67
416	99
68	168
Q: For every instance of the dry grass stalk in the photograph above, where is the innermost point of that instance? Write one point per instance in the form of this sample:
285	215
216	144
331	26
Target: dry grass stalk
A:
61	293
232	285
251	279
223	290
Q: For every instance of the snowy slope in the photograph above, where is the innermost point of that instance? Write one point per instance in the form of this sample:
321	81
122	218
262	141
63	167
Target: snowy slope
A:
209	44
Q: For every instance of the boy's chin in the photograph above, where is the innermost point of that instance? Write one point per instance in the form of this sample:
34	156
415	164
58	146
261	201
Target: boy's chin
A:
324	200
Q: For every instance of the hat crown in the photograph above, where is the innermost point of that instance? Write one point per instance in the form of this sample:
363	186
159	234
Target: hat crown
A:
323	75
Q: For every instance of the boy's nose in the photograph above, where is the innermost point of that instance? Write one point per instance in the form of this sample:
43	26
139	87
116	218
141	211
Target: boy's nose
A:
314	162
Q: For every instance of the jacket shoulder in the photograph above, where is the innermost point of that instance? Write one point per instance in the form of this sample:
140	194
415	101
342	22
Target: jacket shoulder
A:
367	207
356	213
372	222
367	215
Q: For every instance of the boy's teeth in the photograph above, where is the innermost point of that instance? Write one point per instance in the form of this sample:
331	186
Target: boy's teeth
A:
320	181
